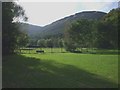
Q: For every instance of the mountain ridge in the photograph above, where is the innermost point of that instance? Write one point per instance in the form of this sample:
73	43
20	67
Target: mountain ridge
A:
57	27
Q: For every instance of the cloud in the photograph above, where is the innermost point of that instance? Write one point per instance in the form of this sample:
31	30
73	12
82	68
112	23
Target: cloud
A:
93	5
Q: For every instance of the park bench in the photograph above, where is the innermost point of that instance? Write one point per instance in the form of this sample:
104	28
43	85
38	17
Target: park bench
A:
39	51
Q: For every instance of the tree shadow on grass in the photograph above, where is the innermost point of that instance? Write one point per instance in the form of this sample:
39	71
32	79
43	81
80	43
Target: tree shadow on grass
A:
107	52
25	72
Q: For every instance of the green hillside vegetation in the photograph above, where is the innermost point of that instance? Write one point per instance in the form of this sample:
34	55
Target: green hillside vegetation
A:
84	31
56	29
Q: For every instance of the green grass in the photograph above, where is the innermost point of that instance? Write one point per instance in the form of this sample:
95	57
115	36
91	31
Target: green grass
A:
51	70
48	50
84	51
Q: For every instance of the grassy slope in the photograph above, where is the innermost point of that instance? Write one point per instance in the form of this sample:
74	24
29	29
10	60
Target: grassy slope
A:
60	70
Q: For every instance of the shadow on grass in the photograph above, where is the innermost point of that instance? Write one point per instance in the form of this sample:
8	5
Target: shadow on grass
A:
25	72
107	53
101	53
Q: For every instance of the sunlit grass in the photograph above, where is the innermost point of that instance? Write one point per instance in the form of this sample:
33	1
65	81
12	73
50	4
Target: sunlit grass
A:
104	65
47	70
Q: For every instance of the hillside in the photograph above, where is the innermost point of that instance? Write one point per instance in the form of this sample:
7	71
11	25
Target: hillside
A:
30	29
57	28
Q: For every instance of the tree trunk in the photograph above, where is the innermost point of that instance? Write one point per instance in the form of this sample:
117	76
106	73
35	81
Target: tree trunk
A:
61	49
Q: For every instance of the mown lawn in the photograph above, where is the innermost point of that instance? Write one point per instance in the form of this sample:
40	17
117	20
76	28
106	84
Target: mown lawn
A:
60	70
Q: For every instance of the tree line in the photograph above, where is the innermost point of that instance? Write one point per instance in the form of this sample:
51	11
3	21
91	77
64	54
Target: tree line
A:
47	43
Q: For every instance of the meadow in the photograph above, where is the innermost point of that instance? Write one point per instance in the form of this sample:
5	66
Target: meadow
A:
60	70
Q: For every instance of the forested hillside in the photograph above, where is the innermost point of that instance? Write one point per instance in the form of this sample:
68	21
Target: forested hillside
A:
56	29
89	29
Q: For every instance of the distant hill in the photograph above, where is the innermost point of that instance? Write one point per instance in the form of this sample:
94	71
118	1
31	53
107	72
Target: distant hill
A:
57	28
31	30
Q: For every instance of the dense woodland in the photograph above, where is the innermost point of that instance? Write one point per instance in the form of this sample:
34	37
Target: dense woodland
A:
83	33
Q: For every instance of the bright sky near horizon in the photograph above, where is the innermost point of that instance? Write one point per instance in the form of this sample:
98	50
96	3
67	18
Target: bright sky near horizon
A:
43	13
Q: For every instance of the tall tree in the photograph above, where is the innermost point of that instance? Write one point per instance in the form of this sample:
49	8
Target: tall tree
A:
49	44
108	30
22	40
41	43
11	13
81	34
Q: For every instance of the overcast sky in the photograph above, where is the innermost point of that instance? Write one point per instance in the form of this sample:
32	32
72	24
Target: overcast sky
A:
43	13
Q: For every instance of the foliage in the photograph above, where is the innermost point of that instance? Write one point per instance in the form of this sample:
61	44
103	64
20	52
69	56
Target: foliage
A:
93	34
81	34
22	40
108	30
61	43
49	43
11	13
41	43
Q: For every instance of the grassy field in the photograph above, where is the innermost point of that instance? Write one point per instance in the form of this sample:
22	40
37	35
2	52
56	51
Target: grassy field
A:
60	70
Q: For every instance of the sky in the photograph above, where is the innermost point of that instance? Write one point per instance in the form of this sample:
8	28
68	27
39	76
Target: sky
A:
44	13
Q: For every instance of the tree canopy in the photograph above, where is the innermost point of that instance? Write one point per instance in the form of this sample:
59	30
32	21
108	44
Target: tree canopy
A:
11	13
93	34
108	30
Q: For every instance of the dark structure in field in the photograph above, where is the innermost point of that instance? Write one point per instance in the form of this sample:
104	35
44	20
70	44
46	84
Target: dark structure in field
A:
39	51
